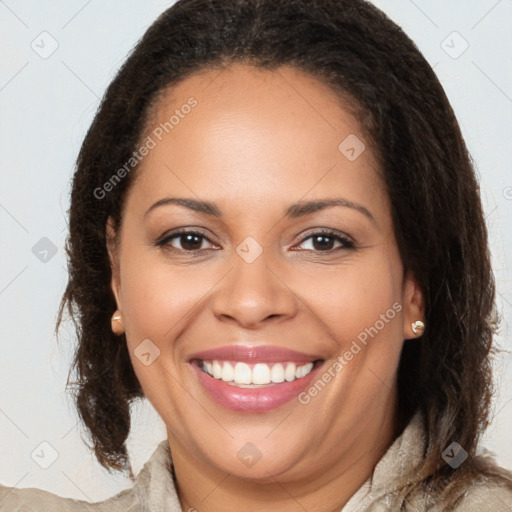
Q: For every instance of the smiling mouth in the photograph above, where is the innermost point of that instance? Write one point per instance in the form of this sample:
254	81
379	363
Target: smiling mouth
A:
244	375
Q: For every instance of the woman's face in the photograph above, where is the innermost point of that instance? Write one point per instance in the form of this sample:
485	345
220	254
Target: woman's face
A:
268	340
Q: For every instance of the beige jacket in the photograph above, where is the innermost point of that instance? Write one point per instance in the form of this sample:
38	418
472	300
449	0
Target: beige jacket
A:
154	490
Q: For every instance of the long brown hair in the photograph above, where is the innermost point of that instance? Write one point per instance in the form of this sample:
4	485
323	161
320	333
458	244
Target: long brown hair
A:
353	47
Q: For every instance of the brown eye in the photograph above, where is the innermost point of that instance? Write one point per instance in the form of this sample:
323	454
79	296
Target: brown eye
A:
324	241
190	241
184	241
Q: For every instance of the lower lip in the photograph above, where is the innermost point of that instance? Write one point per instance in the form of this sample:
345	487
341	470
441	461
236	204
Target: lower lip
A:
254	399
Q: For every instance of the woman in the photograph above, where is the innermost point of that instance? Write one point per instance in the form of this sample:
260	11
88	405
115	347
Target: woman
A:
276	237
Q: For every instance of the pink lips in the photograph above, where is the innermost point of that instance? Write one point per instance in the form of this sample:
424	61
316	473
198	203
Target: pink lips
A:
253	399
259	354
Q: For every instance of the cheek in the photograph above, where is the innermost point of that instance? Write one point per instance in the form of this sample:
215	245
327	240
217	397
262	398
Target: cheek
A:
353	299
157	298
370	331
157	301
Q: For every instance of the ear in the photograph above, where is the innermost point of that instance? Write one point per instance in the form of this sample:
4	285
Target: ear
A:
113	255
413	302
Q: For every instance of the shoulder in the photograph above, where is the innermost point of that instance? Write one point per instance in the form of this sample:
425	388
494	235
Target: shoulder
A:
485	497
154	483
13	499
482	489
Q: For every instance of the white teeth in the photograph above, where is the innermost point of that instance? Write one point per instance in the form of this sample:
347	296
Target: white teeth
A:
289	373
242	373
228	373
217	370
260	374
303	370
277	373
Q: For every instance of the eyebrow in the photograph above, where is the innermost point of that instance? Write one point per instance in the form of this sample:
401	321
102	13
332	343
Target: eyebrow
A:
295	210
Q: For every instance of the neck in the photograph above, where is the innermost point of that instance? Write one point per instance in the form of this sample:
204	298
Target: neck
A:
205	488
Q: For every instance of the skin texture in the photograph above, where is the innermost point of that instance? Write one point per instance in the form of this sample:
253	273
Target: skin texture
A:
257	142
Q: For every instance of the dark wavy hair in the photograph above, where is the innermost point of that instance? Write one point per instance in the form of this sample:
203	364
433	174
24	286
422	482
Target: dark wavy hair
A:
370	62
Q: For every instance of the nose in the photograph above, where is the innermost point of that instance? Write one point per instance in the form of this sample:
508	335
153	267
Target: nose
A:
252	294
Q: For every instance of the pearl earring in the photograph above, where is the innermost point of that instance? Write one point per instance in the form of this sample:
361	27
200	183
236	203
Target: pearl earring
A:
117	323
417	326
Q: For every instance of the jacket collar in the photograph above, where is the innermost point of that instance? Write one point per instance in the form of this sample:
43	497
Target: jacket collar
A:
402	457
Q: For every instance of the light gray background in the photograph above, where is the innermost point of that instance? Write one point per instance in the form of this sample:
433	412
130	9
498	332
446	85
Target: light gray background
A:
47	105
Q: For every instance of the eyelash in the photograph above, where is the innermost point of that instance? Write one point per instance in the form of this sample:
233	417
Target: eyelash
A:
346	243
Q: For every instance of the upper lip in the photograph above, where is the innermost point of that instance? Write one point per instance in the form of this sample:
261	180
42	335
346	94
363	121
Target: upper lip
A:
254	354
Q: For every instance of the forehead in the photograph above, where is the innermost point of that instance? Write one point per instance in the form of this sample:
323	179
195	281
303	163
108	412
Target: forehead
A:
255	136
